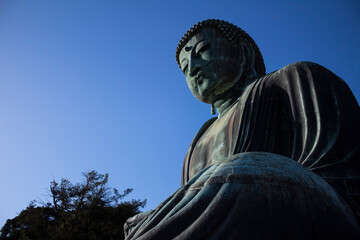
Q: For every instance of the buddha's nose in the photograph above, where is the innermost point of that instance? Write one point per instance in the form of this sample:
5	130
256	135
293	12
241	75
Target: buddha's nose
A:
195	64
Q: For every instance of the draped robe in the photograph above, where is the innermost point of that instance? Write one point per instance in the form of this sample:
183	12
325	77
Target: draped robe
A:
304	113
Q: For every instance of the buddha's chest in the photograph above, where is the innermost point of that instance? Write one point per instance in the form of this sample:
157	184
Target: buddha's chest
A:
217	142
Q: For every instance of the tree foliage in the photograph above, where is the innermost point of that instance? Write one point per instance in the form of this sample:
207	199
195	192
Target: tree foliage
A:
88	210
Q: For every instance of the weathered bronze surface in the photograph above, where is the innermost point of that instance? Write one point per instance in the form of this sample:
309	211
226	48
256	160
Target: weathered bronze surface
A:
281	161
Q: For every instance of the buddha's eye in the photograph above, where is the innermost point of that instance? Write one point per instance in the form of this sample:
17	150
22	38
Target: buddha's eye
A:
185	68
184	65
202	48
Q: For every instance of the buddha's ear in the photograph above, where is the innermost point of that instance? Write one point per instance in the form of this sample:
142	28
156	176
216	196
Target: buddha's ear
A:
248	53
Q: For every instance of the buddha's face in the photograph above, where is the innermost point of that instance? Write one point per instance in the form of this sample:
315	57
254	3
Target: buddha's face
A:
211	65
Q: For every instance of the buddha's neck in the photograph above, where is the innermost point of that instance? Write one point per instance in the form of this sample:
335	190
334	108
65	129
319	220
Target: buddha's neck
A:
227	100
224	104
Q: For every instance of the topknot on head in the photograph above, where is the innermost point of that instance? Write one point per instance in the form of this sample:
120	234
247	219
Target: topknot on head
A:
232	33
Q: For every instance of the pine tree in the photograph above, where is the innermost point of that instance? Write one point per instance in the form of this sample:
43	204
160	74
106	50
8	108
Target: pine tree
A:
88	210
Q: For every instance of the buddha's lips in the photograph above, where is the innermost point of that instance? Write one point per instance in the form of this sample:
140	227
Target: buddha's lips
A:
199	78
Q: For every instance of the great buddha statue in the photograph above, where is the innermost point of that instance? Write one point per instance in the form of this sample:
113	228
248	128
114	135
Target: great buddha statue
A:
280	161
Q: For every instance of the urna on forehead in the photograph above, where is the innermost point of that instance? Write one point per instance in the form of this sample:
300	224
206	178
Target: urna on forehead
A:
203	35
206	33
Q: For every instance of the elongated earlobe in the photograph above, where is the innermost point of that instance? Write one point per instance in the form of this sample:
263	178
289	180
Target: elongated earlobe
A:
213	109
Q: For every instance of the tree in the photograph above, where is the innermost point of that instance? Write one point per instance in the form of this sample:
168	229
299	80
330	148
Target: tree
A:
88	210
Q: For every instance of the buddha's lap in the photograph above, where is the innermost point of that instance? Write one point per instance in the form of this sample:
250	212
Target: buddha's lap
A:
228	195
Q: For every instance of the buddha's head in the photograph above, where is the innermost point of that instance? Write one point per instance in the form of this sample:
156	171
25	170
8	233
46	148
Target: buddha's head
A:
217	59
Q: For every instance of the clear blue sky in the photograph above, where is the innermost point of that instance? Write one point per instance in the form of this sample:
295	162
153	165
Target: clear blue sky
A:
94	84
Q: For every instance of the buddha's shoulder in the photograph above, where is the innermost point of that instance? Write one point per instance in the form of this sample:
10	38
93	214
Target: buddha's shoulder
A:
297	72
300	65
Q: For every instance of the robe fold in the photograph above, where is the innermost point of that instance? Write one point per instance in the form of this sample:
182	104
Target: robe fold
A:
302	112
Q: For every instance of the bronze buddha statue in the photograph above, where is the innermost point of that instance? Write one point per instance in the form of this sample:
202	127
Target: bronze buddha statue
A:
280	161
